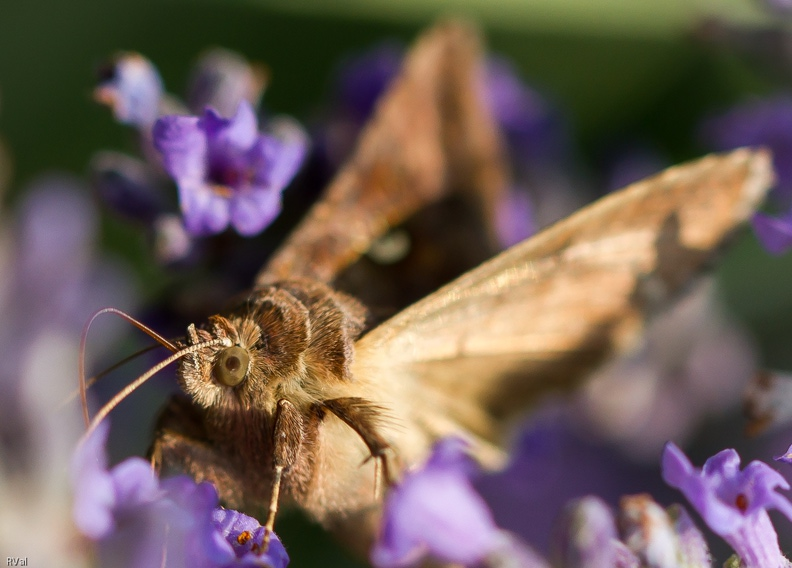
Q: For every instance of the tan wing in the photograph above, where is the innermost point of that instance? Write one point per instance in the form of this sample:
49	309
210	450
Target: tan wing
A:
543	313
431	132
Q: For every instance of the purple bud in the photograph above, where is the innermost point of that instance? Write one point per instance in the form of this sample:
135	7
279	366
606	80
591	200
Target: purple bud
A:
127	185
364	78
588	535
131	86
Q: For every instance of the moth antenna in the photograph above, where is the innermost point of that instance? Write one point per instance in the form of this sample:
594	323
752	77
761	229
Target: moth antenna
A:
84	339
93	380
127	390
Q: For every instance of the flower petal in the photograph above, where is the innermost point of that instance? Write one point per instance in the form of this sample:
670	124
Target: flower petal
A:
94	497
230	135
183	146
251	212
245	534
436	511
205	212
134	483
278	158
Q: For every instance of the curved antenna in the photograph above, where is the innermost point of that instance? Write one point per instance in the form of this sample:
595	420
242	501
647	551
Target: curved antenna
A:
95	379
84	339
105	410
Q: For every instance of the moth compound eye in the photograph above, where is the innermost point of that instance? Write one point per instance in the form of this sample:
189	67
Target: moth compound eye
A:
231	366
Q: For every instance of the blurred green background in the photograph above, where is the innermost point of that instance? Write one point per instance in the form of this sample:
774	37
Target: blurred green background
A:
617	69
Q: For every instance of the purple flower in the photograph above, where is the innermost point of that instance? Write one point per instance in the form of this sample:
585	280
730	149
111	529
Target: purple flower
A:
245	535
436	511
514	218
135	520
762	123
644	535
128	185
131	86
52	280
527	120
775	233
364	78
226	171
733	502
766	122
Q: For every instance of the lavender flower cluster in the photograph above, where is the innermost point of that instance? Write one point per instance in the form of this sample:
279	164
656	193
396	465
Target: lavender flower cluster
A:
230	167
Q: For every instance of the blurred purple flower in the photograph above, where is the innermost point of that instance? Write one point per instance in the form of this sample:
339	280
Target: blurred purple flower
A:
131	86
436	511
775	233
762	123
514	219
226	171
544	475
692	363
732	502
135	520
52	280
765	122
538	148
127	185
588	537
528	121
644	534
362	79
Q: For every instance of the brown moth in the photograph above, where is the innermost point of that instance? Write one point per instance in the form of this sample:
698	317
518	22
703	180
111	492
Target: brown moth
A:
288	398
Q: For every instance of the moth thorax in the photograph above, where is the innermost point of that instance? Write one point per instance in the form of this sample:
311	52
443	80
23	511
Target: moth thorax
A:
305	326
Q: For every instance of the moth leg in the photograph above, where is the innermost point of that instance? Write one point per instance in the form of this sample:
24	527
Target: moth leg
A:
288	436
362	416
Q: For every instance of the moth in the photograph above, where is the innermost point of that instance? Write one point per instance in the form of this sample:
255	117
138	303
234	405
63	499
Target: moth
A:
290	398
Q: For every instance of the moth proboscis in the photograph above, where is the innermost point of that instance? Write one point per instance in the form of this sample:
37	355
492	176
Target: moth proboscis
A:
289	391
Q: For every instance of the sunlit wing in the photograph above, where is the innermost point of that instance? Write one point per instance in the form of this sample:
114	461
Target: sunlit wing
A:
431	132
542	314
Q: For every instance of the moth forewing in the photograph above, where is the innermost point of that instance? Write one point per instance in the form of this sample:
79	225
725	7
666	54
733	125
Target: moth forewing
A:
542	314
431	133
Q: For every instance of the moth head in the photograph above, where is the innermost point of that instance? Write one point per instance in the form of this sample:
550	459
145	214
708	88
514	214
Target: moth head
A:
179	352
256	349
